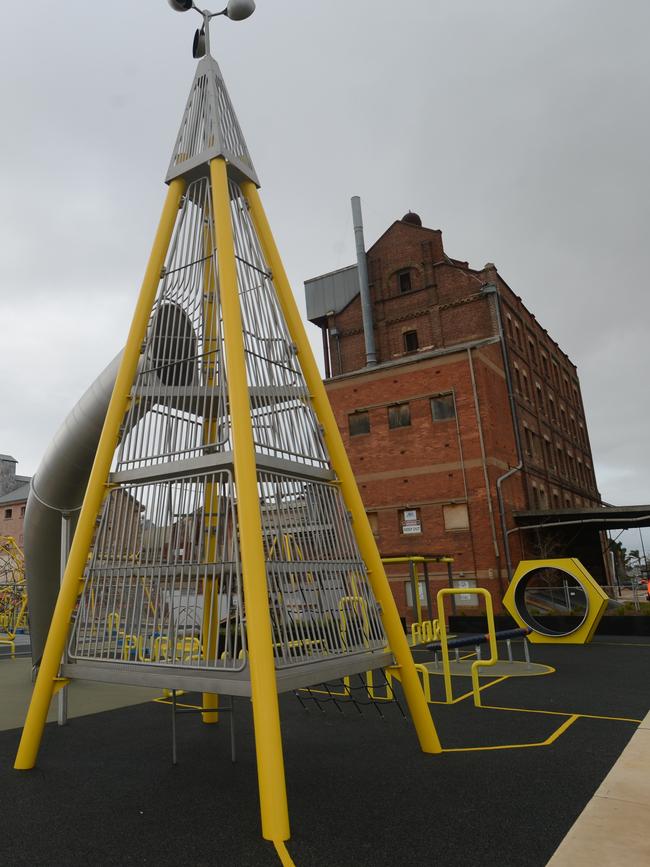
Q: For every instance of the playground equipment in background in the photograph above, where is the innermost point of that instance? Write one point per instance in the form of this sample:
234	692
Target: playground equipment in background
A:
13	592
414	561
222	439
558	587
507	668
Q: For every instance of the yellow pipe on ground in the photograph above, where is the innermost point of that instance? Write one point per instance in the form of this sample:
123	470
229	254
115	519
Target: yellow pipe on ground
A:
266	715
416	701
49	668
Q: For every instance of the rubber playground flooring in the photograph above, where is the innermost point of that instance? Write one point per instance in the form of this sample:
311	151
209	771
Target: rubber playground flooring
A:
360	791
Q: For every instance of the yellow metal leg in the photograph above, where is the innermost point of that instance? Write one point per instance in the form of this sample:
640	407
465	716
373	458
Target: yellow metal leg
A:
49	669
210	700
397	639
266	715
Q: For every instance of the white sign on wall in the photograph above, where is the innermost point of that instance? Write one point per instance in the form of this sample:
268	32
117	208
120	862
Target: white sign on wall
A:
469	599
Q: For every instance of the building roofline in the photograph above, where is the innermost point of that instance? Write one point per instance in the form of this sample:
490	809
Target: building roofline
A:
330	273
415	358
18	495
404	223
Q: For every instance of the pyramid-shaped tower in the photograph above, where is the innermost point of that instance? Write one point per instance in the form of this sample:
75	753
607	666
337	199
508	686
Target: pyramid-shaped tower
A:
222	546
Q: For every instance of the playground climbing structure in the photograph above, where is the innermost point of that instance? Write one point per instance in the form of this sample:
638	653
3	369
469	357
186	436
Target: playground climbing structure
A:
232	553
13	592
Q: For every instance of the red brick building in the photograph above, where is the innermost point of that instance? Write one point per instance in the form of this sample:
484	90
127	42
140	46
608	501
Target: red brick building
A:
471	415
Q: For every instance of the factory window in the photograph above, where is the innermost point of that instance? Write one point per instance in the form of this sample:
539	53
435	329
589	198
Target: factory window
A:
410	341
456	516
544	364
404	280
22	511
8	513
540	398
563	418
359	423
399	415
443	407
532	351
549	453
529	440
535	497
373	520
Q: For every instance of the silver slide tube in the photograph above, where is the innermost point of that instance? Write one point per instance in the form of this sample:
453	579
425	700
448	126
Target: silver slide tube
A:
58	488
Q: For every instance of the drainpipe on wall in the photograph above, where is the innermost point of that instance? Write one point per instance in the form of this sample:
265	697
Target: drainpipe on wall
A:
486	478
364	289
492	289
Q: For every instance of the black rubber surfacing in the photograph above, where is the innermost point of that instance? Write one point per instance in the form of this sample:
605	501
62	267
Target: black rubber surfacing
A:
360	791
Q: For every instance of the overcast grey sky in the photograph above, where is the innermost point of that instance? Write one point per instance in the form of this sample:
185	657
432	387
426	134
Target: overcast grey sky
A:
520	129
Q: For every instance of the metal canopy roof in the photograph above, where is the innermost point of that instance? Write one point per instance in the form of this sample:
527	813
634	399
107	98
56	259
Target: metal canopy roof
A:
601	518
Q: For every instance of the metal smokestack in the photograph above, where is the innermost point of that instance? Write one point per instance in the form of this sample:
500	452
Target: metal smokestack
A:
364	290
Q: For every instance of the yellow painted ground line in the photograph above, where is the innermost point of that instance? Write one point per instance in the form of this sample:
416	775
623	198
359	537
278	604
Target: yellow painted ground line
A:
471	693
556	734
283	853
621	644
562	713
178	703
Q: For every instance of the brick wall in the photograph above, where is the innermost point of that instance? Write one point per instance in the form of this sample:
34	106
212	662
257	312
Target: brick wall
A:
433	466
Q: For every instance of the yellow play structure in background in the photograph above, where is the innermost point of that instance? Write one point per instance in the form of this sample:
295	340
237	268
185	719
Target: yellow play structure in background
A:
539	584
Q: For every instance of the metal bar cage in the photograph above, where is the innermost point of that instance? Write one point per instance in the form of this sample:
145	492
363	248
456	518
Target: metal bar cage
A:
163	584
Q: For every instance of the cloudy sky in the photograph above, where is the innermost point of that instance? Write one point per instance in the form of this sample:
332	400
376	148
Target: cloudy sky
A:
520	129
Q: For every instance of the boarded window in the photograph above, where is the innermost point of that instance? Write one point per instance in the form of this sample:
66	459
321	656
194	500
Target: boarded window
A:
359	423
443	407
410	341
373	520
408	592
399	415
456	516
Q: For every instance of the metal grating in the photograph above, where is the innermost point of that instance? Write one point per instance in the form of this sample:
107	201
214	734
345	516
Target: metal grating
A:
178	408
320	600
209	126
284	422
163	583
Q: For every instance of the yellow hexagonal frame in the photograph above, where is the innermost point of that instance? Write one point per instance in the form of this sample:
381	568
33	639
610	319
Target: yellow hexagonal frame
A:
597	601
